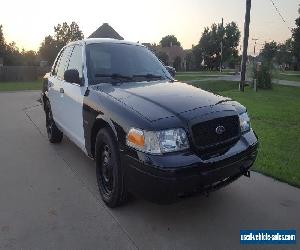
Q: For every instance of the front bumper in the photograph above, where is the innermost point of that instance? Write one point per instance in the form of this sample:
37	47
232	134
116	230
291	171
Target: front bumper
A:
163	178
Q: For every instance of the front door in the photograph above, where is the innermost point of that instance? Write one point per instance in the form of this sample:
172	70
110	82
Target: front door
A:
55	82
73	96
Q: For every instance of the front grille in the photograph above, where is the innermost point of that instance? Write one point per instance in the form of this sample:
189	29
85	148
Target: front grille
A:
206	138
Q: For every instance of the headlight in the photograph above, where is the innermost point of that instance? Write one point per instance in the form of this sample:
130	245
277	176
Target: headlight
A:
157	142
244	122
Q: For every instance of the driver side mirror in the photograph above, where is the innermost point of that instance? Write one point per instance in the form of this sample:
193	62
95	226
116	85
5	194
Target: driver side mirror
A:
72	76
171	70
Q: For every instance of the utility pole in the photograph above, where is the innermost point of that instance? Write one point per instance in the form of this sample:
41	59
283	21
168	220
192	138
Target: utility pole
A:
245	45
221	57
255	40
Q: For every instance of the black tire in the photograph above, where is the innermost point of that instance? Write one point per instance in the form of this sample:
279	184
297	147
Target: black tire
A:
109	172
54	134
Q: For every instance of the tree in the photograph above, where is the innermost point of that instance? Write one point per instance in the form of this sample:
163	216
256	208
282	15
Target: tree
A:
177	63
49	49
196	57
9	52
163	57
29	58
189	58
2	42
279	53
12	55
210	42
169	41
269	51
231	41
296	41
63	34
209	46
284	55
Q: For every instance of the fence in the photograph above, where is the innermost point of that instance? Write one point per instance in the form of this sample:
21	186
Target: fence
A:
22	73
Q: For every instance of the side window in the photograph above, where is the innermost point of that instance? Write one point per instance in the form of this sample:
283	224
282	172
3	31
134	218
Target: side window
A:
63	62
76	60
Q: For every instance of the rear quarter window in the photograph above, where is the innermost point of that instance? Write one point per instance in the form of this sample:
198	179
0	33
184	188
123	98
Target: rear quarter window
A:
64	61
75	61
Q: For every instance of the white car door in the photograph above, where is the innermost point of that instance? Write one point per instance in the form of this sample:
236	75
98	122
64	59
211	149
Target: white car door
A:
55	88
73	100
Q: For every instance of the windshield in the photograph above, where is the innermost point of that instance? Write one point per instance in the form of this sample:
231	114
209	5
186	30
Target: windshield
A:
118	62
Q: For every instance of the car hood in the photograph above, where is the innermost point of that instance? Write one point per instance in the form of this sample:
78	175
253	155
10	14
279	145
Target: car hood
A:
161	99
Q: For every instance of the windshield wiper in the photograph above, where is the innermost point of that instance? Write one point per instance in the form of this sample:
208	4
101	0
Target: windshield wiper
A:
115	76
149	76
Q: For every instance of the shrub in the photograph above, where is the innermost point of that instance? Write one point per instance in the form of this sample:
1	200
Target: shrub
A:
263	74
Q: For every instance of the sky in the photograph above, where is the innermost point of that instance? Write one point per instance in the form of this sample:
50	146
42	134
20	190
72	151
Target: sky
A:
28	22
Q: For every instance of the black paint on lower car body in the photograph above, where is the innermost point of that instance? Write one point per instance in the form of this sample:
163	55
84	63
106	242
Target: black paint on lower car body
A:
211	162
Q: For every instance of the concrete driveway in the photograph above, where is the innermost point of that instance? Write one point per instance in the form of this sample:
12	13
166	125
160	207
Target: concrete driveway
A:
49	199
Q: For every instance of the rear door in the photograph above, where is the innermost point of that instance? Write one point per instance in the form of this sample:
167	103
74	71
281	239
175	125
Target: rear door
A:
73	100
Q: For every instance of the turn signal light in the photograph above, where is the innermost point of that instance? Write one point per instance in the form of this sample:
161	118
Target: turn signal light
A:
135	138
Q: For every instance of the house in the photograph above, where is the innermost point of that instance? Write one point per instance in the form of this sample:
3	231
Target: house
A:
174	55
106	31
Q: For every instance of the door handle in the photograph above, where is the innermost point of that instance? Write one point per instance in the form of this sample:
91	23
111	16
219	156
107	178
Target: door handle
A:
61	90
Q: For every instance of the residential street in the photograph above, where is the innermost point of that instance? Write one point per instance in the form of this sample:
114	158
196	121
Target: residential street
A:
49	199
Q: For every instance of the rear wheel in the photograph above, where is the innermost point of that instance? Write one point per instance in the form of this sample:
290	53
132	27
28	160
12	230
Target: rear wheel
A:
54	134
108	169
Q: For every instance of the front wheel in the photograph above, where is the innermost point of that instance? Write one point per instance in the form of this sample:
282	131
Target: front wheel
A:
109	172
54	134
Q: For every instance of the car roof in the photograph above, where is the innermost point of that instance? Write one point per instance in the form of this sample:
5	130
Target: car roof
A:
103	40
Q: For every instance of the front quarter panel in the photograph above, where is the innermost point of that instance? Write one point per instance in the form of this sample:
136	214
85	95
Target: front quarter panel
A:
98	105
238	107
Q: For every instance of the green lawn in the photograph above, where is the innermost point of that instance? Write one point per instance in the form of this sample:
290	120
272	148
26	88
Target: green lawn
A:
275	117
292	72
224	72
187	77
200	75
17	86
288	76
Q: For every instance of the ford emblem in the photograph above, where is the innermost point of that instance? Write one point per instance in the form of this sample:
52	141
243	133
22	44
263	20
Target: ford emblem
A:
220	130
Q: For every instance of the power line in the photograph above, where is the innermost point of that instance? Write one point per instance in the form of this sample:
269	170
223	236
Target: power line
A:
278	12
